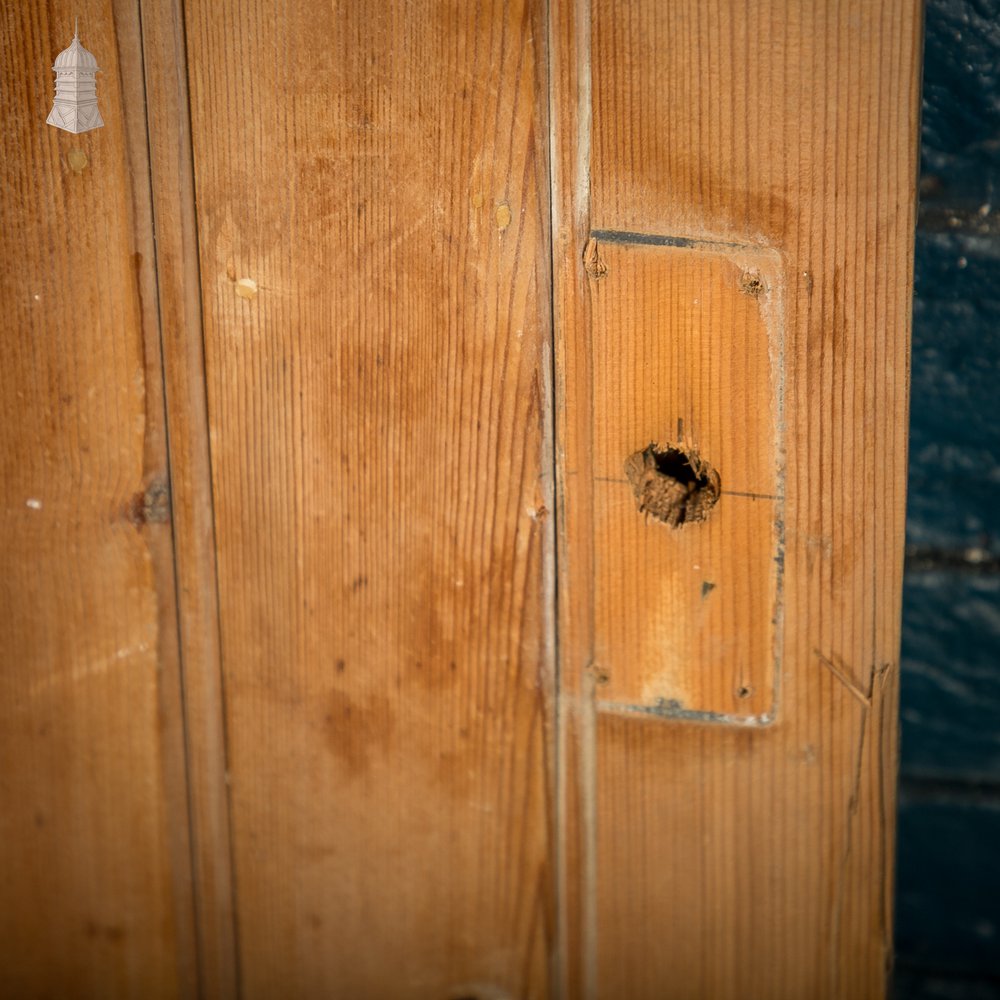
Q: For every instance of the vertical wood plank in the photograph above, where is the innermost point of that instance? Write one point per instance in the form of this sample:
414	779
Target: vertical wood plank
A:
371	188
724	861
93	812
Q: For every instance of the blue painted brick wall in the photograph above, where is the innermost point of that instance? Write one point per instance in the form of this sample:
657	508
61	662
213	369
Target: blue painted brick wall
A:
948	872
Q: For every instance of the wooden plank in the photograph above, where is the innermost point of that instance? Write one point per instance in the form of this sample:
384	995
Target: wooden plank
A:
718	860
372	212
687	535
93	812
179	297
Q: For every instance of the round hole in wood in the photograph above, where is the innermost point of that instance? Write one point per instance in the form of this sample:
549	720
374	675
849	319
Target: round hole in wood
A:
673	485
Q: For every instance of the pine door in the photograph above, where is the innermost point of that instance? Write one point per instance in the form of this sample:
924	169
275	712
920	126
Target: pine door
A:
453	486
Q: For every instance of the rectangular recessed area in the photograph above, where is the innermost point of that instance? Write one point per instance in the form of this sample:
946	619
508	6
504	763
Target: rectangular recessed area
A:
687	488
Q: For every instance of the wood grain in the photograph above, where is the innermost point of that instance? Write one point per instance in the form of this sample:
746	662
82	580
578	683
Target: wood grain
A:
366	610
93	817
179	300
685	615
371	189
719	861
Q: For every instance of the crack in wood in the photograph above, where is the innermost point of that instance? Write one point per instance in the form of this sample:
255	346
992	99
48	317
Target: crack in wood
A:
871	704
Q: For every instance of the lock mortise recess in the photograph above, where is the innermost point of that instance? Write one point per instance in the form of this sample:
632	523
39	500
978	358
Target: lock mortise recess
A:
688	481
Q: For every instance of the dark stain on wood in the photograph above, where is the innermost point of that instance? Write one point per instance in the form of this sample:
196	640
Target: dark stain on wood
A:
357	731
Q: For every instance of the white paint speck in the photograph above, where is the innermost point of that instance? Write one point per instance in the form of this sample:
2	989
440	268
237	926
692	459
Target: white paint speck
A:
33	503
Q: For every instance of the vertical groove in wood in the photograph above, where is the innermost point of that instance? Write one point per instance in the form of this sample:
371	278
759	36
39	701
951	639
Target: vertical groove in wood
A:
569	123
157	509
180	324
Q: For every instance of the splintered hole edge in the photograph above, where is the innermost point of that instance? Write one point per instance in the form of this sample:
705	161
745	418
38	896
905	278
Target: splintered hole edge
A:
673	485
751	283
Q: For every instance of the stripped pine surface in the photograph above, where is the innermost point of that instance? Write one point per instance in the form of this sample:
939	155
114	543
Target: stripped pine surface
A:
93	822
375	791
372	210
712	859
687	573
